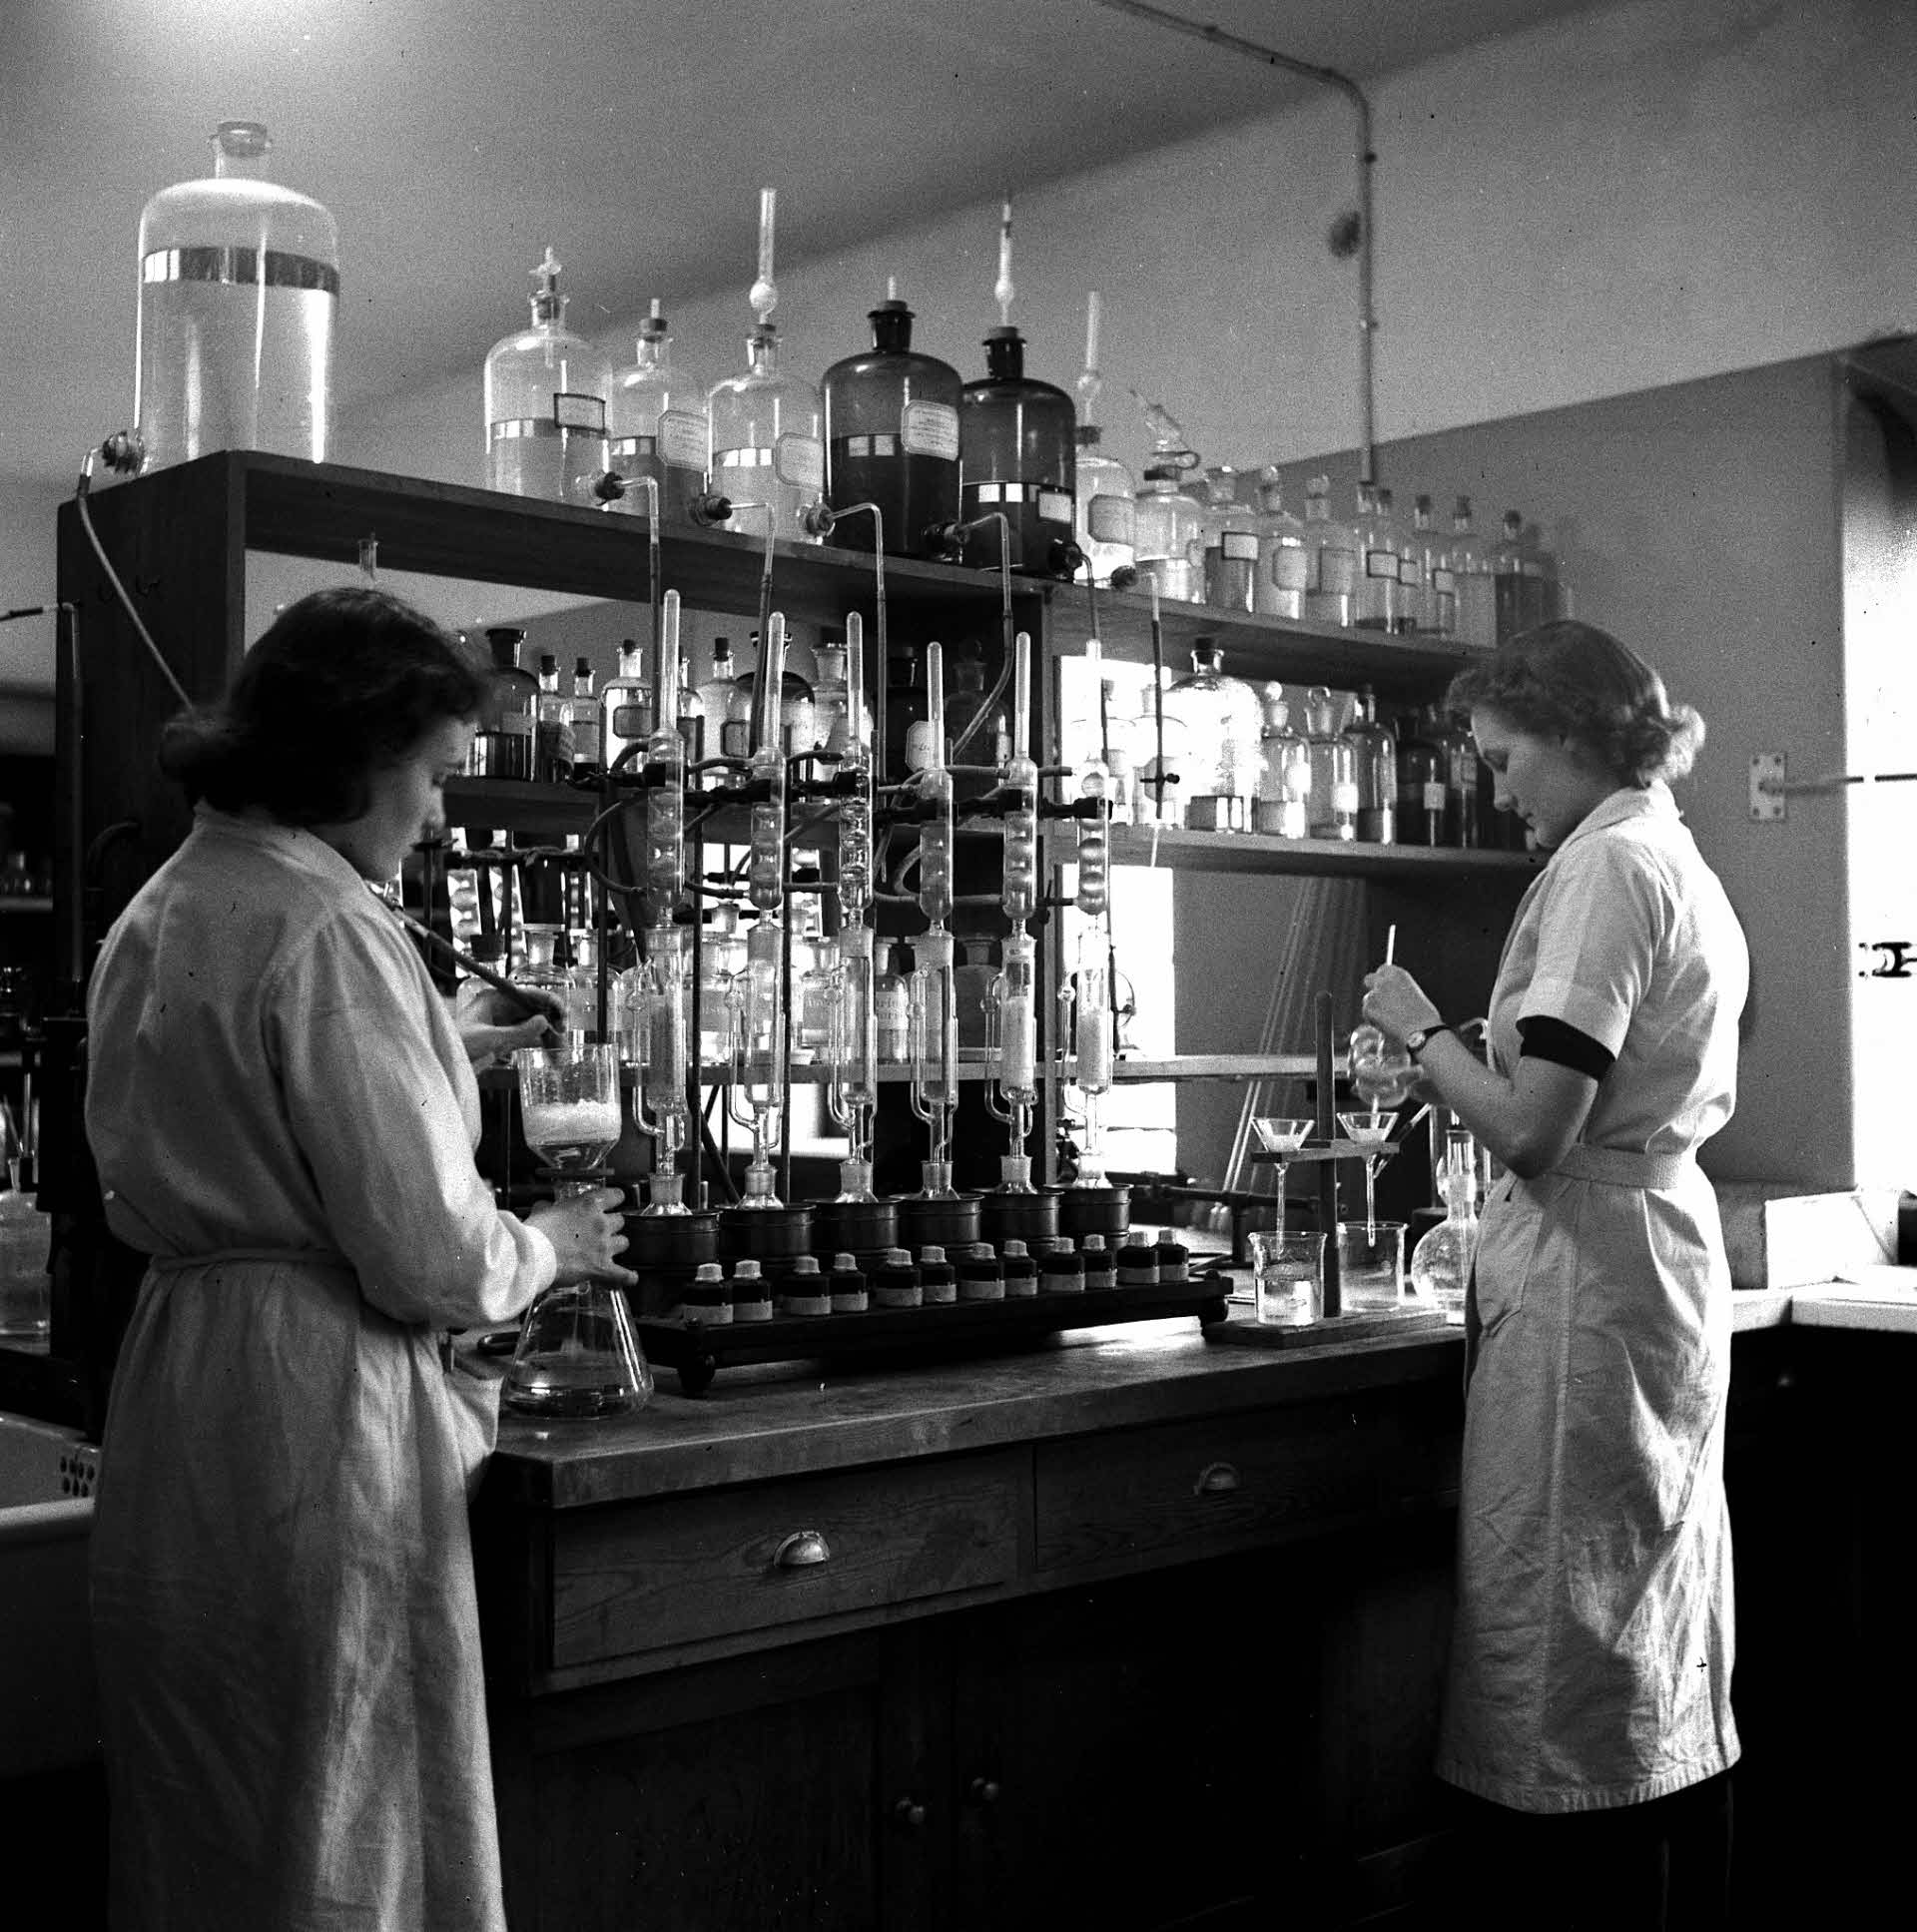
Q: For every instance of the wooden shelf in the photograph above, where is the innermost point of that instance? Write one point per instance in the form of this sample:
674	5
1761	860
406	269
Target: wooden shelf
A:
26	904
1261	851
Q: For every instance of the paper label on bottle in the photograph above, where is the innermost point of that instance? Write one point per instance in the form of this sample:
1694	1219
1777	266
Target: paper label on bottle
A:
682	439
1337	572
930	430
1111	519
1381	563
1411	571
800	461
918	745
1054	506
632	722
1290	567
1443	581
573	412
1434	795
1238	546
1344	798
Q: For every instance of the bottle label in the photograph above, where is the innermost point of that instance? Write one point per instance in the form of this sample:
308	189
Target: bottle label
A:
919	746
734	737
1291	567
1443	581
632	722
800	461
1337	572
1434	795
930	430
1344	796
1411	571
1054	506
1381	563
1111	519
1238	546
682	439
572	411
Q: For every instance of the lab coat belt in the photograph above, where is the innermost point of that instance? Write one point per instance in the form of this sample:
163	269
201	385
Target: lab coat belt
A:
169	1264
1623	1168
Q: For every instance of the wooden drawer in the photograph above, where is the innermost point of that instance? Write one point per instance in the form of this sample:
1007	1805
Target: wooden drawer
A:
647	1575
1189	1490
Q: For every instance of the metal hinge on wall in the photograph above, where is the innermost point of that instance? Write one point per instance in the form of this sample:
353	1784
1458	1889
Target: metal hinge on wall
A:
1771	786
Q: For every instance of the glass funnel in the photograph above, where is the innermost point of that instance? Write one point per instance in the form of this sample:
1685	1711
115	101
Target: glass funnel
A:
1370	1128
577	1355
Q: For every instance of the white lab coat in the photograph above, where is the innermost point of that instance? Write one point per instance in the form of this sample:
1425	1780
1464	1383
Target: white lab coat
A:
1592	1656
284	1605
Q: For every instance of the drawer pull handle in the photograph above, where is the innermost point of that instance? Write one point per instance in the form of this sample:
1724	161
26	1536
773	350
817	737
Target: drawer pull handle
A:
984	1790
1216	1479
800	1550
910	1813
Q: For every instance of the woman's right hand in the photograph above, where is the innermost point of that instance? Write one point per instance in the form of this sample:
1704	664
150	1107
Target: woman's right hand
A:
586	1231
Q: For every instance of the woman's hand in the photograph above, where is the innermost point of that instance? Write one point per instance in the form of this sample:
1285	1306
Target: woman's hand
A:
1397	1004
493	1025
586	1231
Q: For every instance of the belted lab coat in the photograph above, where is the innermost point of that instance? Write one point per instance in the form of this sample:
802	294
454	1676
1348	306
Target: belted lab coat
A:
286	1627
1592	1653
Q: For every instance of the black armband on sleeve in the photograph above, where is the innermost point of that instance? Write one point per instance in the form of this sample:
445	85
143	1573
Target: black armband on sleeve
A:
1552	1040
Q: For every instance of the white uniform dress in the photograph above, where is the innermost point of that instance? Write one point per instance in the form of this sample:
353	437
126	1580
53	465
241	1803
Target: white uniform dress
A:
1592	1656
283	1606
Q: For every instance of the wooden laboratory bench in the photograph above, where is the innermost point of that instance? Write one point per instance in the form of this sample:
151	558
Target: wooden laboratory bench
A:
1106	1632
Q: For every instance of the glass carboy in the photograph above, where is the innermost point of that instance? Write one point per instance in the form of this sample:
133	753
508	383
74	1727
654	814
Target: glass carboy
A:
1223	730
892	439
1018	453
1284	563
656	420
238	285
545	398
762	441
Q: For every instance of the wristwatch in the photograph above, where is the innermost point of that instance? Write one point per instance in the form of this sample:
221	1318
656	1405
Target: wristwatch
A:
1415	1043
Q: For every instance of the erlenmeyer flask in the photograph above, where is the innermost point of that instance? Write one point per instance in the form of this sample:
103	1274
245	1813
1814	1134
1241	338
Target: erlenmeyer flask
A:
578	1354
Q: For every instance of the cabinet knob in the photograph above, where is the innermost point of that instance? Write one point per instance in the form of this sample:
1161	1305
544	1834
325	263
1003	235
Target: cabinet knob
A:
1216	1479
982	1790
800	1550
910	1813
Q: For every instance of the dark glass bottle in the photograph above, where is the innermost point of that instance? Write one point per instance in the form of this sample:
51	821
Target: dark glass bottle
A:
906	706
892	439
511	708
1017	454
1422	795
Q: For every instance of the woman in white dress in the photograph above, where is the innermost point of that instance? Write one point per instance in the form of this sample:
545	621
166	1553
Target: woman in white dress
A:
283	1117
1588	1705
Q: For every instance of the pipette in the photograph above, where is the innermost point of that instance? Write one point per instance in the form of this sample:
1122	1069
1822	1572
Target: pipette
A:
1002	289
765	290
934	1002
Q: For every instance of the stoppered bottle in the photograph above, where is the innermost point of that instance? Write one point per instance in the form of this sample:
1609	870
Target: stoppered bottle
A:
545	401
656	421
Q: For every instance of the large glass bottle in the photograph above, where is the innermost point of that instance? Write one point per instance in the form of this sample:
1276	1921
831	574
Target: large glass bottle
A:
1331	588
508	721
797	722
1169	525
715	697
1332	812
1223	733
1378	604
1017	451
238	285
656	420
764	441
1284	776
1231	542
892	439
1437	610
1442	1261
1477	591
545	401
1284	562
1105	515
1422	795
625	710
1375	756
582	719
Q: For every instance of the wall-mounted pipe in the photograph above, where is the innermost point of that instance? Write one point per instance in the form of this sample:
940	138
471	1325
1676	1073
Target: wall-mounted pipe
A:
1367	160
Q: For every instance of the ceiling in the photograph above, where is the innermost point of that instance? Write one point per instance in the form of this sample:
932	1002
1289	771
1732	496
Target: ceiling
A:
452	138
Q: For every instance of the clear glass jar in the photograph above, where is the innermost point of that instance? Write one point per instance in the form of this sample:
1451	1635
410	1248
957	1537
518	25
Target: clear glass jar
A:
1332	812
656	424
1105	513
1224	727
238	287
764	441
1284	561
1378	596
1332	581
1284	776
1231	542
1167	526
545	402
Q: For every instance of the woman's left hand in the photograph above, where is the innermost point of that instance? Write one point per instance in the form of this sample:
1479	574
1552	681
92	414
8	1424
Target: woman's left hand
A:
1397	1004
493	1025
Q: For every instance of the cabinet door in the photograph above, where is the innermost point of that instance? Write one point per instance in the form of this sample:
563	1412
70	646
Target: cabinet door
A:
1136	1753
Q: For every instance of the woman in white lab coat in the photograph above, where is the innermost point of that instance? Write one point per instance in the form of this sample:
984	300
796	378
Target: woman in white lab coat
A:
284	1116
1587	1704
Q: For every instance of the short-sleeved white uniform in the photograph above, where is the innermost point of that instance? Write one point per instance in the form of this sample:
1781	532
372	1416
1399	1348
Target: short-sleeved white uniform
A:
285	1625
1592	1656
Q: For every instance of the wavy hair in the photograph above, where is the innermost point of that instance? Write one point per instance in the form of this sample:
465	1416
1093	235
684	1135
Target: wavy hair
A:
1570	680
344	682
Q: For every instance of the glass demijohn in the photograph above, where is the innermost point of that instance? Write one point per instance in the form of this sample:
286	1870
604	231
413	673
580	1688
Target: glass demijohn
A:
656	420
545	402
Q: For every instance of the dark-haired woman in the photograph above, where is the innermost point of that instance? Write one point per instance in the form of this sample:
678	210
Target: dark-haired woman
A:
283	1117
1588	1704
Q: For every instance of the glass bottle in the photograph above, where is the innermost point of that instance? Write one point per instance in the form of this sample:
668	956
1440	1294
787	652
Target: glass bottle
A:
1105	515
1422	795
1378	602
830	701
906	710
582	718
692	713
891	1010
1410	563
1437	611
1477	592
551	756
764	441
656	423
1331	584
1167	524
892	439
238	285
545	399
715	698
1284	778
1331	810
509	719
1223	732
722	955
1284	562
1018	453
1375	751
626	709
796	725
1441	1263
971	986
1463	797
1230	541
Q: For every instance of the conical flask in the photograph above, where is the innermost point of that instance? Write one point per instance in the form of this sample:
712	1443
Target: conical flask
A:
578	1355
